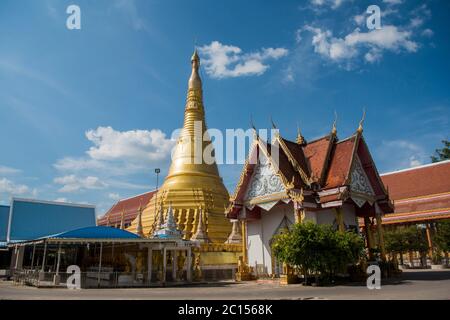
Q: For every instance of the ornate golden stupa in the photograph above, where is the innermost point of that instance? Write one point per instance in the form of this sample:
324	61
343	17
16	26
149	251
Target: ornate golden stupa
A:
193	189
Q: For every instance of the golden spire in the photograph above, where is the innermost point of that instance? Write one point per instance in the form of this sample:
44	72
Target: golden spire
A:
300	139
360	127
194	81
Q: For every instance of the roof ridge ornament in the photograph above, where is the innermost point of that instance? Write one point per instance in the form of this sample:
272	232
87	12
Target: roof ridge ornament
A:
255	132
300	139
334	129
361	122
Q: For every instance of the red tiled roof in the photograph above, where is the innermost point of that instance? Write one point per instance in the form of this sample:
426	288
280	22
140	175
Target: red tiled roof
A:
340	163
298	154
129	206
419	181
419	194
316	154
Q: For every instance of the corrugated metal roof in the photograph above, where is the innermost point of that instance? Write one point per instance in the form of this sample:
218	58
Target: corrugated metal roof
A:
32	219
99	232
4	217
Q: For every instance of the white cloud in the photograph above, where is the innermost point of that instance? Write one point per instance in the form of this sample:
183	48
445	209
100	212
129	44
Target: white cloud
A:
400	154
120	152
114	196
427	33
373	42
9	187
416	22
144	145
224	61
393	2
129	8
4	170
61	200
333	4
73	183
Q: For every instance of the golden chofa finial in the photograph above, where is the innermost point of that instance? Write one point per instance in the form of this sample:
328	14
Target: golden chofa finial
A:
194	81
360	127
300	139
334	129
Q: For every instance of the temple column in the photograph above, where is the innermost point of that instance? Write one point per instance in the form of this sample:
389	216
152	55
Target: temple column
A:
380	236
369	238
163	280
244	241
189	265
149	264
299	212
340	218
174	265
430	241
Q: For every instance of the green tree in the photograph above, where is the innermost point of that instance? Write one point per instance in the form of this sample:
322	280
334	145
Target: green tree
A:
442	154
395	242
403	239
442	237
318	249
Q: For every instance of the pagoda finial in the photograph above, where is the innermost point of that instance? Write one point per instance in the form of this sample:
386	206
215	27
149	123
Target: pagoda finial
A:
334	129
201	234
160	218
300	139
360	127
194	81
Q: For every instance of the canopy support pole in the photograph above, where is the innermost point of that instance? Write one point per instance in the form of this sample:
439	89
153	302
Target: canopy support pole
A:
100	264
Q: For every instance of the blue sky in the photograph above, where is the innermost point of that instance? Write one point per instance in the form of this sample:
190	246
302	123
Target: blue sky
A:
86	115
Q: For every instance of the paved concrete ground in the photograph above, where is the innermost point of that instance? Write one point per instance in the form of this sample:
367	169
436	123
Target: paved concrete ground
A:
414	284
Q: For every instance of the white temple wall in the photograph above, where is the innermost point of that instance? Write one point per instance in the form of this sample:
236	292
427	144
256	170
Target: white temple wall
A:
261	232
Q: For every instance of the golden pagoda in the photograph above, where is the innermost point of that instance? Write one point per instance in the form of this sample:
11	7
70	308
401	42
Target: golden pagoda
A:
193	189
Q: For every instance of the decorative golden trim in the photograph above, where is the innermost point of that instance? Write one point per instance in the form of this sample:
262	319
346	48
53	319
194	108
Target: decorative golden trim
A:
294	162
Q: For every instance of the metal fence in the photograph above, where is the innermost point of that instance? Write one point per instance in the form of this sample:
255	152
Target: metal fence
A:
95	279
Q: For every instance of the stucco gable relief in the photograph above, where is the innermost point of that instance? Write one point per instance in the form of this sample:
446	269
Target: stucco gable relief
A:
265	187
360	186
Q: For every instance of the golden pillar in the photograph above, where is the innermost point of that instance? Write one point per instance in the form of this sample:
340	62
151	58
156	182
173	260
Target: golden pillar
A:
380	236
430	241
369	237
340	218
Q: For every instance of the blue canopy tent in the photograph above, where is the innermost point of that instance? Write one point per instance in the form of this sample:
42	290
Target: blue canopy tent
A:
106	256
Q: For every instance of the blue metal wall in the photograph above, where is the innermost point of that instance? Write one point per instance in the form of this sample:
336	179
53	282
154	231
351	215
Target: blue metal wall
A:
4	217
31	220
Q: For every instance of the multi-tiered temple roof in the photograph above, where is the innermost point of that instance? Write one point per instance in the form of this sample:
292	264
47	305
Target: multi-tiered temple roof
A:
321	173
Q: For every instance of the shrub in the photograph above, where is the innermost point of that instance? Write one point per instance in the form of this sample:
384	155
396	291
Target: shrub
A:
318	249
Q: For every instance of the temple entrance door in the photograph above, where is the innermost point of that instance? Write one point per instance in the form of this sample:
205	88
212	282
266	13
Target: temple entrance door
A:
277	267
284	226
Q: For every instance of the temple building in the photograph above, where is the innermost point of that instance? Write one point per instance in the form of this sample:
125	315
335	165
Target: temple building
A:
421	197
326	181
124	211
